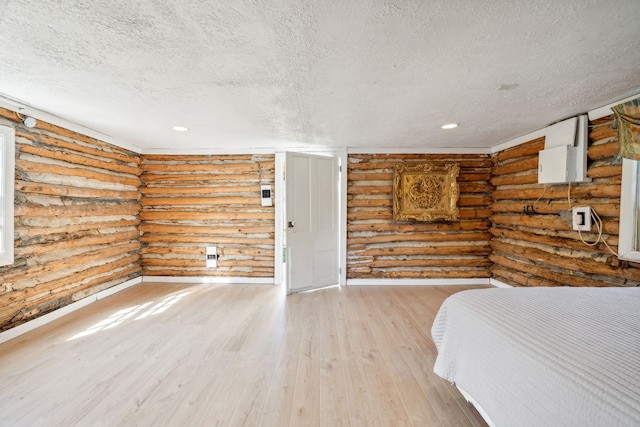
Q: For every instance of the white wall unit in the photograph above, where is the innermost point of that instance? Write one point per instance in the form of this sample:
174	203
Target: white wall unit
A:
564	158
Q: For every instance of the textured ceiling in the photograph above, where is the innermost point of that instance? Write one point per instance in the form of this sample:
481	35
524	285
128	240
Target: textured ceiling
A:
297	73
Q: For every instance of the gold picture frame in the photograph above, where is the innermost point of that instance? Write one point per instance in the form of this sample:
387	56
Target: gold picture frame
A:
426	192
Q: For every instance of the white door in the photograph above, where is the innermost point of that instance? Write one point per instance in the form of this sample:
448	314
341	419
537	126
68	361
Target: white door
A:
312	237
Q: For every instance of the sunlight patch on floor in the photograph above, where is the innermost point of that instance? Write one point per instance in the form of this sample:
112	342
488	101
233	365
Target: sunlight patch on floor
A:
119	317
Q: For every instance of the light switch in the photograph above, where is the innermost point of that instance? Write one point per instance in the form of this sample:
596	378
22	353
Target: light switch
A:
265	195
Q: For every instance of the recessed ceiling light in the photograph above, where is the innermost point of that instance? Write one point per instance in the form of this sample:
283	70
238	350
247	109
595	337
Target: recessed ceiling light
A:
180	128
450	126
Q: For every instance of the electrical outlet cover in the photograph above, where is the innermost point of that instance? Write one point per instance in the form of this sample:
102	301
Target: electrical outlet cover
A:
582	218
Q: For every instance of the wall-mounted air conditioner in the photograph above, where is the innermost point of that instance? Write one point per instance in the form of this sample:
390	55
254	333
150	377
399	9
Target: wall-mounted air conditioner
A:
564	158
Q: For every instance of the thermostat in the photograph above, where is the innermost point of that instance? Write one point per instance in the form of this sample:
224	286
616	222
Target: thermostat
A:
265	195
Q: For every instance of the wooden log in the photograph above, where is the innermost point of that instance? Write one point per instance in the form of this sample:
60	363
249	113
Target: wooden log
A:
443	263
200	201
370	190
555	241
200	250
203	189
560	278
75	228
481	236
388	176
519	179
464	213
586	265
68	191
203	167
387	202
583	191
467	200
516	166
421	274
602	151
472	187
603	131
515	278
465	187
181	215
196	179
29	296
604	171
79	159
37	167
110	238
100	274
207	240
474	213
192	158
608	208
204	229
69	211
480	163
459	250
523	150
545	222
151	271
104	152
421	227
201	263
74	261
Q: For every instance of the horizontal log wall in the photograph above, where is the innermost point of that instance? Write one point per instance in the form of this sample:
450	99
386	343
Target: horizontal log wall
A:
76	220
540	249
190	202
378	247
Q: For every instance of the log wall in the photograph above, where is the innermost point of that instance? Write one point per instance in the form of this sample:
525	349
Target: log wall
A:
190	202
76	220
540	249
90	215
378	247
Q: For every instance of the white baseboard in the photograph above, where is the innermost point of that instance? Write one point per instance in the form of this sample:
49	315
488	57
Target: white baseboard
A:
417	282
50	317
499	284
219	279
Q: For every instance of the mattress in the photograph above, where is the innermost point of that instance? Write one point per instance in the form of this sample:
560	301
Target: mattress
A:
544	356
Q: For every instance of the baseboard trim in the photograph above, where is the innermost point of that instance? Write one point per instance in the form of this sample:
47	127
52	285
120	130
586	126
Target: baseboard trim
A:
417	282
50	317
499	284
213	280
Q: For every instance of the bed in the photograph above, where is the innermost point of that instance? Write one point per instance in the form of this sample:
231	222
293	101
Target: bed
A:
544	356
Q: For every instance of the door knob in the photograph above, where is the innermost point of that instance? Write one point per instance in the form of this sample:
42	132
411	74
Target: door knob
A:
291	224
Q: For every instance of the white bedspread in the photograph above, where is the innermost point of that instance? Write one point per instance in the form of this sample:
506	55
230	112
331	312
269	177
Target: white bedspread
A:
544	356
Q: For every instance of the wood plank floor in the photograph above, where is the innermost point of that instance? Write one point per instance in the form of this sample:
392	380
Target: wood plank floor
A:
238	355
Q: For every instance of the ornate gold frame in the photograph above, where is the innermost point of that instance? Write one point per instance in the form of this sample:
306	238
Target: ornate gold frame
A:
426	192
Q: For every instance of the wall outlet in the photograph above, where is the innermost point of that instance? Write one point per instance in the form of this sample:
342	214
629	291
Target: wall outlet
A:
212	256
582	218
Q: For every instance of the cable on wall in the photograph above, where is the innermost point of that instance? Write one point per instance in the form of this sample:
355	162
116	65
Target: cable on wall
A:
544	190
596	220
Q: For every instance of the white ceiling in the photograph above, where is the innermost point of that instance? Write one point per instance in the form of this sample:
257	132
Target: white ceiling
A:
362	74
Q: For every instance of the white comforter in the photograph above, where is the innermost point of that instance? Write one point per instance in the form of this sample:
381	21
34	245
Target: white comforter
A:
544	356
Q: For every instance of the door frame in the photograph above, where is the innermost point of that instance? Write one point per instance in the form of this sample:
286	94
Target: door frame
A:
280	211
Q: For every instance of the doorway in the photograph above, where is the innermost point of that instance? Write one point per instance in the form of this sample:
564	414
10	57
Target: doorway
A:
309	261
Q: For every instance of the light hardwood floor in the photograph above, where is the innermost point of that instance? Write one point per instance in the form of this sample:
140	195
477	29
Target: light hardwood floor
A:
209	355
